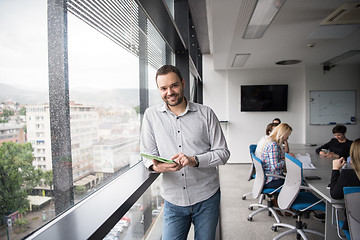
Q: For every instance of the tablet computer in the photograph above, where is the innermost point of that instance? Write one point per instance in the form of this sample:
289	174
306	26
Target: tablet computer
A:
325	150
313	177
160	159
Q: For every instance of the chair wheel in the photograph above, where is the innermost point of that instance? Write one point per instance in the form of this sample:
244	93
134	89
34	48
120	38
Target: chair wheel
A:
269	213
298	237
249	219
274	228
304	225
251	208
243	198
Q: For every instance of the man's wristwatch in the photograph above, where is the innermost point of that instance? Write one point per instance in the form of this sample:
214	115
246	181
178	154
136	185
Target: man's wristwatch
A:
151	169
197	161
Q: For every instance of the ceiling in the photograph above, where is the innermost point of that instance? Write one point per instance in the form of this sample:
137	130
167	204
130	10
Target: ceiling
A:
297	24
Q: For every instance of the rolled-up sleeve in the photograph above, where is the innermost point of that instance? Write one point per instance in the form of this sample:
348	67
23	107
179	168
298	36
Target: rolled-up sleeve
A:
147	143
219	152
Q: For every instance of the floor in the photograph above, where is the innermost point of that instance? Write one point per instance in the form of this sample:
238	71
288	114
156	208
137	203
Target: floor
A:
234	210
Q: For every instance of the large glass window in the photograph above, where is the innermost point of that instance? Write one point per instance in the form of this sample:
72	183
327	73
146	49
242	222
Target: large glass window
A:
104	76
157	49
170	5
104	103
144	219
25	143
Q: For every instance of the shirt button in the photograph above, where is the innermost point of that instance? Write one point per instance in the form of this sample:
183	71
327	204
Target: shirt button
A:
183	187
178	131
182	174
177	117
179	145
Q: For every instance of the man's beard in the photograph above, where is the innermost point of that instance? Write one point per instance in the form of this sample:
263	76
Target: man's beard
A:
180	99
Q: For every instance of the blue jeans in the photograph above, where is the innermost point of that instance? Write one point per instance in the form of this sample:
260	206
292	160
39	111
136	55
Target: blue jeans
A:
204	215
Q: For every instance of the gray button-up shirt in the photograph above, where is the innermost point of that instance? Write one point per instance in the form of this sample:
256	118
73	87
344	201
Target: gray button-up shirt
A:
196	132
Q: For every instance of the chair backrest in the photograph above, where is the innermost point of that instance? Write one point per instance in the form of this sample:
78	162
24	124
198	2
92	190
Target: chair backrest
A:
352	200
252	149
259	178
292	183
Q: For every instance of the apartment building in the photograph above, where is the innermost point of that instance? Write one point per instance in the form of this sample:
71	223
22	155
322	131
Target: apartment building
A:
84	134
12	132
84	125
112	155
38	128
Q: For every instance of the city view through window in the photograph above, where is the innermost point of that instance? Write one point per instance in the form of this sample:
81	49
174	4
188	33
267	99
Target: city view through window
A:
105	119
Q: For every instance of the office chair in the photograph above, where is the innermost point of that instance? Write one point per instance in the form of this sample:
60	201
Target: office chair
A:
352	199
252	149
258	191
337	223
290	196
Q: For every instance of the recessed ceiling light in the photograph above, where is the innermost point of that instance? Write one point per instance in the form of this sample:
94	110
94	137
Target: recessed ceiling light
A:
288	62
264	12
240	59
311	44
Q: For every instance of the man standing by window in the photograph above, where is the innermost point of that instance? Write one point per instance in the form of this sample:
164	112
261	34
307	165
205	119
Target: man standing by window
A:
190	134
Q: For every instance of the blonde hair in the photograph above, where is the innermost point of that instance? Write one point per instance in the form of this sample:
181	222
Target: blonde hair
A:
280	132
355	156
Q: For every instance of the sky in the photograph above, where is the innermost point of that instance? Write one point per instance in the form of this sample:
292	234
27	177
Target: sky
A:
95	62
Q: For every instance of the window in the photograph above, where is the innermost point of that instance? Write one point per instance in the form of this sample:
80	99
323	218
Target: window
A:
24	70
113	51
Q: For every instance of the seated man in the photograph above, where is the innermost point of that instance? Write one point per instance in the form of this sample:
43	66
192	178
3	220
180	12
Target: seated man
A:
337	147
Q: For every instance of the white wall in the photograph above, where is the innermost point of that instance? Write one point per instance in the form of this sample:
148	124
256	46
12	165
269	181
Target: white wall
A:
215	89
338	78
222	94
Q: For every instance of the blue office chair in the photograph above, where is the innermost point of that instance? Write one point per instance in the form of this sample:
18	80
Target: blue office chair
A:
260	192
252	149
352	200
299	201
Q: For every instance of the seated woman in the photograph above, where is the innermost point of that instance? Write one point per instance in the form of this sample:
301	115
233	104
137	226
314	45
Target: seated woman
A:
262	141
348	177
273	157
339	146
285	146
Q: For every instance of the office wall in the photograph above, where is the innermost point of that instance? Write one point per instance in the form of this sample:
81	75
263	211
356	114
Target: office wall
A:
245	128
222	93
215	89
341	77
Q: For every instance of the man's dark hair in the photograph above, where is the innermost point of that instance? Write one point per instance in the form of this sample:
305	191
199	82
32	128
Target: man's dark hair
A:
339	129
168	69
269	128
277	119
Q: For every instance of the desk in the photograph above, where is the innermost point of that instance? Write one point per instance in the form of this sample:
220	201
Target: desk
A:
323	169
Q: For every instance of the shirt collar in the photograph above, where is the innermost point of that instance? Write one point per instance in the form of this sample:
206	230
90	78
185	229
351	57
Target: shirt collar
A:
190	106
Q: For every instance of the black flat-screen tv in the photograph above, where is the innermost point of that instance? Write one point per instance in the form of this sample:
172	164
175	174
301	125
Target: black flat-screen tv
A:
264	98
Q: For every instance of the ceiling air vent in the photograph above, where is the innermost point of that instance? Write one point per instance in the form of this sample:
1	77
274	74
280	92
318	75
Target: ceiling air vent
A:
349	13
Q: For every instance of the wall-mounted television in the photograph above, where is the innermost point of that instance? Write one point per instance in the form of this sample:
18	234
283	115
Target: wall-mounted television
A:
264	98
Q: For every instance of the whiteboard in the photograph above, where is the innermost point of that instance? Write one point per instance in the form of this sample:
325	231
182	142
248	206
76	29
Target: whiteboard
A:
332	107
